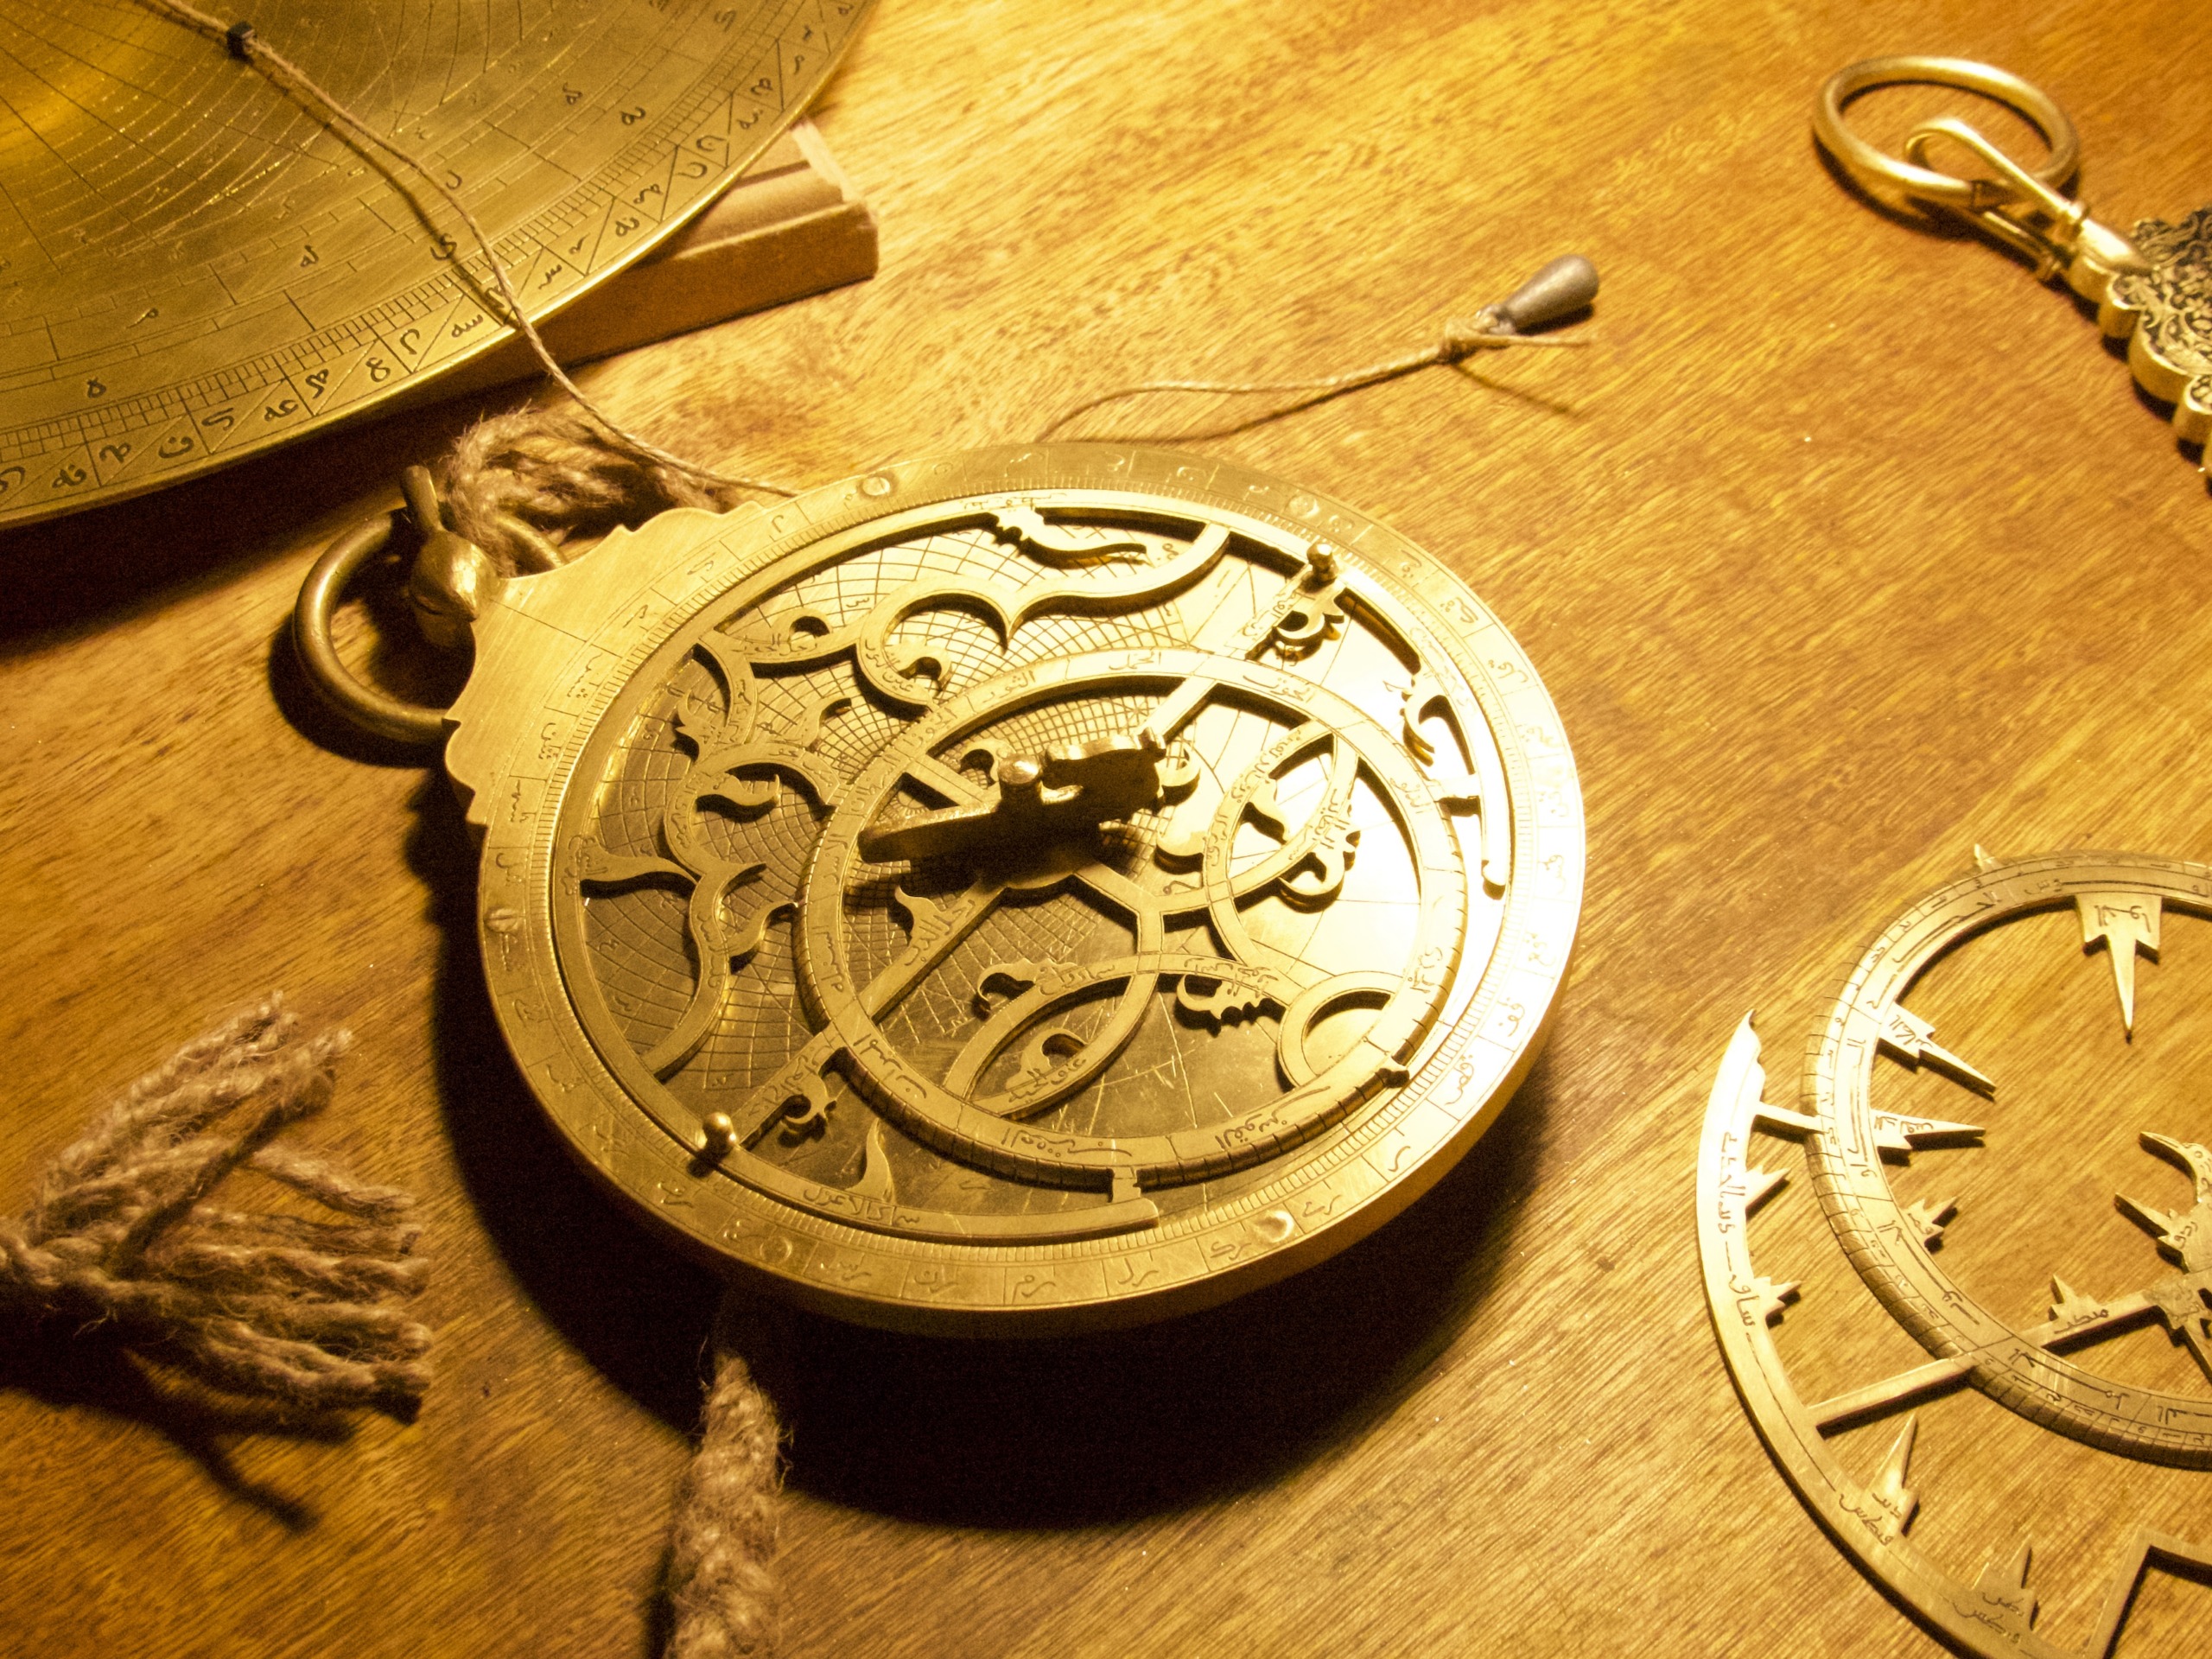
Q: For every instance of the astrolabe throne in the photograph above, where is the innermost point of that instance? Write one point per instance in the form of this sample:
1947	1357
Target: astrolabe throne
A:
1023	889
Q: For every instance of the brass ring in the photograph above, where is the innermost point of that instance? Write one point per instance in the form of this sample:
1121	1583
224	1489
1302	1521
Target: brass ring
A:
1900	184
366	706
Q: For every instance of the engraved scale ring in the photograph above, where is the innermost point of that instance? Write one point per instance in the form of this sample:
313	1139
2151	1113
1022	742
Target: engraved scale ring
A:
1024	890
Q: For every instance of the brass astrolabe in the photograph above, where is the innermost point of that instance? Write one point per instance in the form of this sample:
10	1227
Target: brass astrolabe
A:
2036	1259
194	268
1023	890
2152	288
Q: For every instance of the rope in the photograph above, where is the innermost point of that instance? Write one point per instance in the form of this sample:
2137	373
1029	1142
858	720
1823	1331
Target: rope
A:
1463	337
124	1236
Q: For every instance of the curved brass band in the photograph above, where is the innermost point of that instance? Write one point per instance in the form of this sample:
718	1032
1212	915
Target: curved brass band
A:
376	711
1901	184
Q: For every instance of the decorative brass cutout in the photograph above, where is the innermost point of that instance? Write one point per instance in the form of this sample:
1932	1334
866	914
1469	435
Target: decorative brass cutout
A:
2035	1368
1051	887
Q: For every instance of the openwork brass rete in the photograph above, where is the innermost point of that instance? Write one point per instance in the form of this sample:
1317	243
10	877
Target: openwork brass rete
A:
1862	1146
1021	891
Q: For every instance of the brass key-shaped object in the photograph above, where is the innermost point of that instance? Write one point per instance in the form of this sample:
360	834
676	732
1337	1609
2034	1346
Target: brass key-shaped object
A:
1030	889
2151	287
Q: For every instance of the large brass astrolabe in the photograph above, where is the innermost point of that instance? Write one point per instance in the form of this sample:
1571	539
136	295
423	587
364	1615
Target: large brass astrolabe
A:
193	268
1020	890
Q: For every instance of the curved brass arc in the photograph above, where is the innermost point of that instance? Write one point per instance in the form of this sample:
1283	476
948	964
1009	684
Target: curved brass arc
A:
1900	183
337	684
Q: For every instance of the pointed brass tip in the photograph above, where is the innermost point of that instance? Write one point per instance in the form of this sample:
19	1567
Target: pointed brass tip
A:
1562	288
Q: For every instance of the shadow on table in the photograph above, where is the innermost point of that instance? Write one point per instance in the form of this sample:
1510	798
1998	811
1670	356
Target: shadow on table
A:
69	576
55	1362
1056	1432
1079	1431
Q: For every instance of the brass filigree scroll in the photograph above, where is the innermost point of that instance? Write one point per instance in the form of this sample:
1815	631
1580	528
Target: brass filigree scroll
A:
1032	888
1850	1453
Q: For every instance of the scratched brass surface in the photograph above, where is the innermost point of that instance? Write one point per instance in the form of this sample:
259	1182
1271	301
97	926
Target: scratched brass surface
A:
193	270
1020	890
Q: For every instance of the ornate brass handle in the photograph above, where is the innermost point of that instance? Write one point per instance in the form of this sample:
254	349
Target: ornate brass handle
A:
452	582
1901	183
2024	208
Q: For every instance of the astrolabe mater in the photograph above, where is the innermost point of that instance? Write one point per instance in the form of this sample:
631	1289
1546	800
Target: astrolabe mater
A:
1021	890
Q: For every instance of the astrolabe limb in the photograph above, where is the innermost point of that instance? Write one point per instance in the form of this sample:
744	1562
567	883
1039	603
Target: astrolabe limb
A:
1028	889
205	269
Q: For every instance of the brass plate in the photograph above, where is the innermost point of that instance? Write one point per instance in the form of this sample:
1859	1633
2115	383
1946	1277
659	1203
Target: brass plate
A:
192	269
1860	1136
805	963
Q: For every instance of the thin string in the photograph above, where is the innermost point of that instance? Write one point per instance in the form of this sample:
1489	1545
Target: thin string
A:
1463	337
244	44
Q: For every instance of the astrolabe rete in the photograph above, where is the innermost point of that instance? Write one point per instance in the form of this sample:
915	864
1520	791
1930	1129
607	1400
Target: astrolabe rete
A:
1023	889
2007	1163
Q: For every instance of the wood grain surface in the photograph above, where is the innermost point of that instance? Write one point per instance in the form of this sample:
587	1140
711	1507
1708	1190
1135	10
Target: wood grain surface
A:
1847	547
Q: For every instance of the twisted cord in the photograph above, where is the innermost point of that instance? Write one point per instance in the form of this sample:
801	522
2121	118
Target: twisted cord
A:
1463	337
721	1579
244	44
522	483
123	1234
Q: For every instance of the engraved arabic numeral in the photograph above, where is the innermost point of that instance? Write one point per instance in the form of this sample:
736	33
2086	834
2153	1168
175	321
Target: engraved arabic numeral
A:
727	19
69	478
411	340
631	118
220	419
552	271
309	257
180	443
118	452
380	370
279	409
9	477
95	388
570	96
444	248
319	382
649	190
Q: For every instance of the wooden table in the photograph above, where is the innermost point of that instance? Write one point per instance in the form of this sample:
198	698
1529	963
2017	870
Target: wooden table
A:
1845	548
